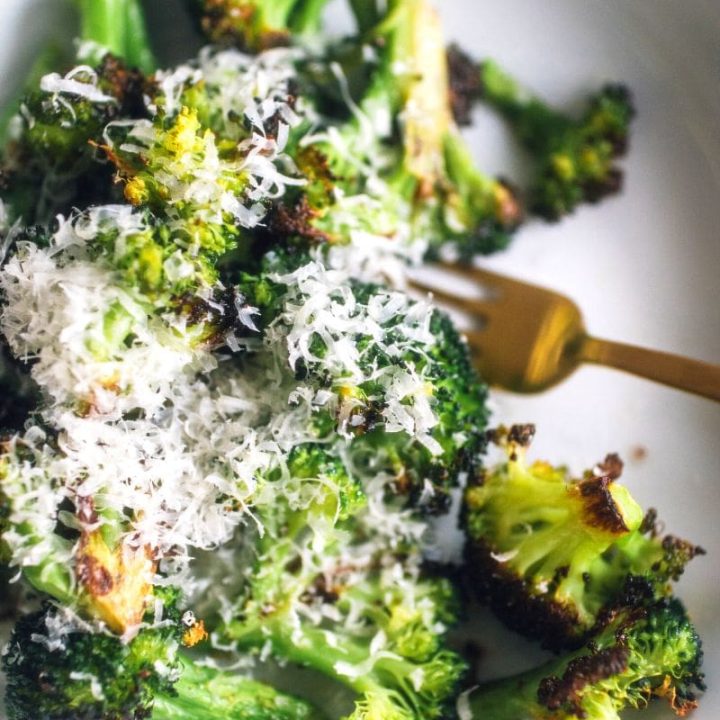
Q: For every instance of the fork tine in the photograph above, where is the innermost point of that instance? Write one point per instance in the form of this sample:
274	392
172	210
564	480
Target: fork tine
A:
473	306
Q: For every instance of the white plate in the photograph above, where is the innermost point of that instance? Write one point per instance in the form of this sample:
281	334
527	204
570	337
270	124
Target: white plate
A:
645	267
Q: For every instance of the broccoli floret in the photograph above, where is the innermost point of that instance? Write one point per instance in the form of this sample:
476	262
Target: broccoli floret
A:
257	25
324	593
574	157
399	162
458	398
58	669
49	164
642	655
555	557
385	642
398	381
52	165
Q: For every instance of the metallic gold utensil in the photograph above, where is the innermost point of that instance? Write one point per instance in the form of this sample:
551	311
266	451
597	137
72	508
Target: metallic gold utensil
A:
531	338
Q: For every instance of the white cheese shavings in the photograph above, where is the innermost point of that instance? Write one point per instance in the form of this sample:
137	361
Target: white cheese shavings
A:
81	81
464	711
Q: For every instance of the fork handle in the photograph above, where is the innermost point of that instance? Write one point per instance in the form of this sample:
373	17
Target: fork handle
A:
693	376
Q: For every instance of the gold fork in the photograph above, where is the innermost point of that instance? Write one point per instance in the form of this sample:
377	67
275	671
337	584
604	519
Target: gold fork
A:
531	338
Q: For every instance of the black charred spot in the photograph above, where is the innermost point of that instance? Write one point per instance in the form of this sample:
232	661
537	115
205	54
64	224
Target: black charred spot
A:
296	222
612	466
596	190
221	314
127	85
272	124
600	508
562	572
465	84
314	165
477	478
94	576
320	590
677	553
565	693
522	435
511	598
227	22
649	523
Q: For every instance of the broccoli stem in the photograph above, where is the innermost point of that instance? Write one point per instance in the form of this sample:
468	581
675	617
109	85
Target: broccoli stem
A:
203	692
307	16
536	124
366	13
310	648
276	13
513	698
119	26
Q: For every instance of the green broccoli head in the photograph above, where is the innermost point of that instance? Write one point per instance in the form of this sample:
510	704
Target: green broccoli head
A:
425	473
383	637
325	591
555	557
51	166
396	382
575	158
257	25
641	655
58	669
398	166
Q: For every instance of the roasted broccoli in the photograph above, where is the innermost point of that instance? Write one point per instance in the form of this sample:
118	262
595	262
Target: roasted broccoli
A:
341	604
555	557
399	164
50	163
202	273
643	654
425	471
574	157
59	667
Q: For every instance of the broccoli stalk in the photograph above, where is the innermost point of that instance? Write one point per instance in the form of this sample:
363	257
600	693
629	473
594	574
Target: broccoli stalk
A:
118	27
642	655
574	157
257	25
408	676
203	692
389	686
367	14
555	557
